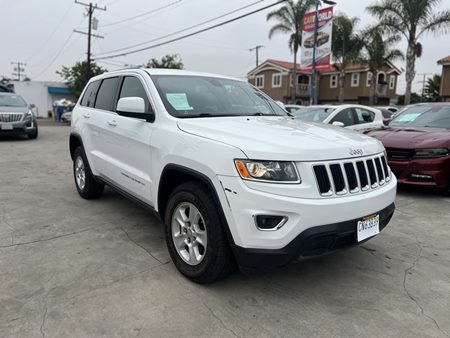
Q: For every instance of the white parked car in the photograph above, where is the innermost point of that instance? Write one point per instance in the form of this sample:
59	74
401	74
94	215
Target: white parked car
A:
351	116
291	108
392	109
232	176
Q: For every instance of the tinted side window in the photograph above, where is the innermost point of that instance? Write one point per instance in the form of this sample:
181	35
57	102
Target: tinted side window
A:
107	94
132	87
89	95
364	115
345	116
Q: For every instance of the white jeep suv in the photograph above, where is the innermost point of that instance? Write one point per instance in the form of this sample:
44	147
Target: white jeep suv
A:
232	176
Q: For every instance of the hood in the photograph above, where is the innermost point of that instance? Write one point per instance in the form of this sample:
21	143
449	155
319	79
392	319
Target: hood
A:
282	138
7	109
411	138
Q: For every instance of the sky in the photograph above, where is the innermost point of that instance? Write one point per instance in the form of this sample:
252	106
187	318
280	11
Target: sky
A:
40	33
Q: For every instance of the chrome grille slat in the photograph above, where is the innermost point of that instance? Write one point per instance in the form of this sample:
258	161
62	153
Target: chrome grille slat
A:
10	117
351	176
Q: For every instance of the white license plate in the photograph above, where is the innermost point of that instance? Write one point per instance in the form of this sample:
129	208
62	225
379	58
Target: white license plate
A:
367	227
7	127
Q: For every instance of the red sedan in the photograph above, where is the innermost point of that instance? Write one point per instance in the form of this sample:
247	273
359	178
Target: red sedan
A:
417	143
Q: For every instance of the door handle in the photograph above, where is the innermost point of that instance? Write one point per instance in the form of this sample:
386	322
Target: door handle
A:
86	115
112	123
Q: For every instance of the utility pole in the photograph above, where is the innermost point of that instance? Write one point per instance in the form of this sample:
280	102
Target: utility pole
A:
18	70
90	10
256	49
423	82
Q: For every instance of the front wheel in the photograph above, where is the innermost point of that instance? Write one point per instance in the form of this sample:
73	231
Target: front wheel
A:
195	237
85	182
34	134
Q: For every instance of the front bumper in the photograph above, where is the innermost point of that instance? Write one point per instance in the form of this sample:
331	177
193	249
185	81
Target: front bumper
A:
241	203
18	128
433	172
313	242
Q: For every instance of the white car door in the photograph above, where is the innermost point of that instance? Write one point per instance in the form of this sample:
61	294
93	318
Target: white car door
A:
129	144
365	119
102	140
345	116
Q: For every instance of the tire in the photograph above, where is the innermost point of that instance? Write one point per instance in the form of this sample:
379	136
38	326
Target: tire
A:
85	182
215	261
34	135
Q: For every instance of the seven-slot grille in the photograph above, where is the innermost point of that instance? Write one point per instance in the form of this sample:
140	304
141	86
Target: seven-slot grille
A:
10	117
351	176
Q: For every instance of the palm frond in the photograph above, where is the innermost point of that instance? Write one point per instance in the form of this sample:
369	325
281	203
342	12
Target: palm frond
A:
437	24
279	28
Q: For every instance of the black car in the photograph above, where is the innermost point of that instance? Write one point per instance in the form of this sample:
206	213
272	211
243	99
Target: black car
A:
15	116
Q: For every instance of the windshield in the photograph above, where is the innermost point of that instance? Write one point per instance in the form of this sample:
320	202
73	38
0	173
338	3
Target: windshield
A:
316	114
423	116
12	101
201	96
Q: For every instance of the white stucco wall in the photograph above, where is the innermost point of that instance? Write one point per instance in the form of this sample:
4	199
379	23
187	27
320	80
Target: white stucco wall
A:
36	92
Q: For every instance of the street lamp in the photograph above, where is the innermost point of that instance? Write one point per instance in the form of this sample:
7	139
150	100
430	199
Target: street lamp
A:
316	27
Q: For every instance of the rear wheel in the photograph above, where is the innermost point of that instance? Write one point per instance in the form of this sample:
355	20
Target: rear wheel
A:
195	237
85	182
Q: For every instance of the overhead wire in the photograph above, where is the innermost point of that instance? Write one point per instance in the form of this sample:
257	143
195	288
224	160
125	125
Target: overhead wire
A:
184	29
142	14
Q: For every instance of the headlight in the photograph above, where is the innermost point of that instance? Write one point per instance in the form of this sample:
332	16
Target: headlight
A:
29	115
429	153
271	171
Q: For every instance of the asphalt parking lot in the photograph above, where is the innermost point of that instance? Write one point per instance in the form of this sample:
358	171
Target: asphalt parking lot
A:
76	268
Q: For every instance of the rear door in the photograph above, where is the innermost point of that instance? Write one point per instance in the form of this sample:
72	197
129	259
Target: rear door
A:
103	137
365	119
129	147
86	120
346	116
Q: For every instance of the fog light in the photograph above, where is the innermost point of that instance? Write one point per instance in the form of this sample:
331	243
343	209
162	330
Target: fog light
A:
269	222
421	177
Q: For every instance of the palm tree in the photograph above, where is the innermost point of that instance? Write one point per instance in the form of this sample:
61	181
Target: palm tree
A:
376	52
346	46
412	19
290	20
432	88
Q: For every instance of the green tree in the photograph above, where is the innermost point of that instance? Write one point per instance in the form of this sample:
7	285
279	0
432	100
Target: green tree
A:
290	21
169	61
415	98
412	19
377	51
346	46
75	76
432	89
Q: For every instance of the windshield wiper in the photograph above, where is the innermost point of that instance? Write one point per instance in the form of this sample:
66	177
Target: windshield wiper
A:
205	115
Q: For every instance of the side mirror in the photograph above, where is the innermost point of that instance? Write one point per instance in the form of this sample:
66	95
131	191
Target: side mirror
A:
134	107
338	124
131	105
31	106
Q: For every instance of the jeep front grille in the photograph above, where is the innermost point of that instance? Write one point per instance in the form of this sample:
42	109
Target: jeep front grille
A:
351	176
10	117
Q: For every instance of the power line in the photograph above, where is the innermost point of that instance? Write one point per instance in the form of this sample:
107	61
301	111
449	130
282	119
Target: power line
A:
49	37
187	28
56	56
143	14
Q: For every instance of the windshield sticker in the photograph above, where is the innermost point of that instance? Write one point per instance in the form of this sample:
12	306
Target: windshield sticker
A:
178	101
408	117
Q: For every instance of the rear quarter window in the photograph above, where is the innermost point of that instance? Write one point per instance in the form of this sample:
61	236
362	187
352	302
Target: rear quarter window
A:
88	98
